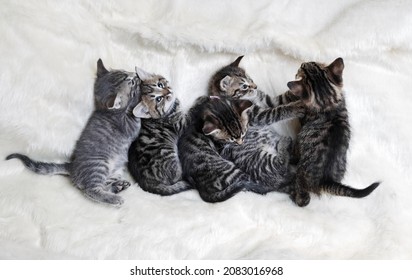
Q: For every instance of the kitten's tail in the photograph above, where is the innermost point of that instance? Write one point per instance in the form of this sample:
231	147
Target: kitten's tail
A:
339	189
43	168
165	190
225	194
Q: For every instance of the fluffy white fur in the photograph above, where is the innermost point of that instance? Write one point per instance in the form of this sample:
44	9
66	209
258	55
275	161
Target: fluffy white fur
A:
48	54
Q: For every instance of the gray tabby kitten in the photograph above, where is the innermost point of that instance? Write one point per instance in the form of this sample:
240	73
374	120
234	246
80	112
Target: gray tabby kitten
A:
101	151
269	167
153	159
323	141
216	121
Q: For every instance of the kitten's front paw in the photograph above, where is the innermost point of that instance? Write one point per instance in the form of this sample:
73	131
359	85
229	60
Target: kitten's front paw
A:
285	145
300	198
299	109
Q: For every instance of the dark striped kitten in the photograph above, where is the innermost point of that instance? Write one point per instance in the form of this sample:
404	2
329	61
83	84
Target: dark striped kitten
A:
215	122
323	141
153	159
265	154
100	153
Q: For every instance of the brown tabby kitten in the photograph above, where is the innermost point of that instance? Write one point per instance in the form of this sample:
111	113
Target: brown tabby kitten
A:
264	155
323	141
233	81
153	159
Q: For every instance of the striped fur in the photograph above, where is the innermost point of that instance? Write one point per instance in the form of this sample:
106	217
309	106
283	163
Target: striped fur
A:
101	151
268	167
153	159
323	141
215	122
264	155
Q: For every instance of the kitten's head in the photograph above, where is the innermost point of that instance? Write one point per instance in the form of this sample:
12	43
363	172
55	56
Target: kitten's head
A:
157	96
114	89
225	120
232	81
318	85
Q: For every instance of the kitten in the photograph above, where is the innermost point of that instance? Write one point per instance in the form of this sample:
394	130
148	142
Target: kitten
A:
323	141
153	158
101	151
264	154
216	121
233	81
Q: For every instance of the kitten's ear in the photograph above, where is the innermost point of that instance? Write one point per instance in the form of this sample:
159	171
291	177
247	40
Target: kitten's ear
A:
210	128
296	87
242	105
101	70
237	61
336	68
211	123
225	83
142	74
141	111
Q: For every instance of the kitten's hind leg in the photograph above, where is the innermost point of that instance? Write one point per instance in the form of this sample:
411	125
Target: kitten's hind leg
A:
116	185
99	194
115	182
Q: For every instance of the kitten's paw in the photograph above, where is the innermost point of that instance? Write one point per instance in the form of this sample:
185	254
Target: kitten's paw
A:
299	108
285	145
301	198
119	186
100	195
117	201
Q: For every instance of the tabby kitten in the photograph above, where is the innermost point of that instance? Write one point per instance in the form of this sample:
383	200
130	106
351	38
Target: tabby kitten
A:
216	121
213	123
233	81
153	159
265	154
323	141
101	151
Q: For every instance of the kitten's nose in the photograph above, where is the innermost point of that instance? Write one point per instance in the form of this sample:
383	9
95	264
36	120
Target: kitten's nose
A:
239	141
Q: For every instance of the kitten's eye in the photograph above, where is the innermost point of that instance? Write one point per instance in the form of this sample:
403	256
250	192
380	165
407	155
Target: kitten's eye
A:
159	84
244	86
159	99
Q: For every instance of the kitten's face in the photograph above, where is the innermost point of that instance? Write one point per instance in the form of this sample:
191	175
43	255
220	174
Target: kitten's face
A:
225	120
238	86
232	81
157	96
318	85
114	89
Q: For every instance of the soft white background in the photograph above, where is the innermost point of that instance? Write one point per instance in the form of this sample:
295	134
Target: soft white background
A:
48	54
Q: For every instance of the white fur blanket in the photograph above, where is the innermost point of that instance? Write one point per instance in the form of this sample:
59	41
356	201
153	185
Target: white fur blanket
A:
48	54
